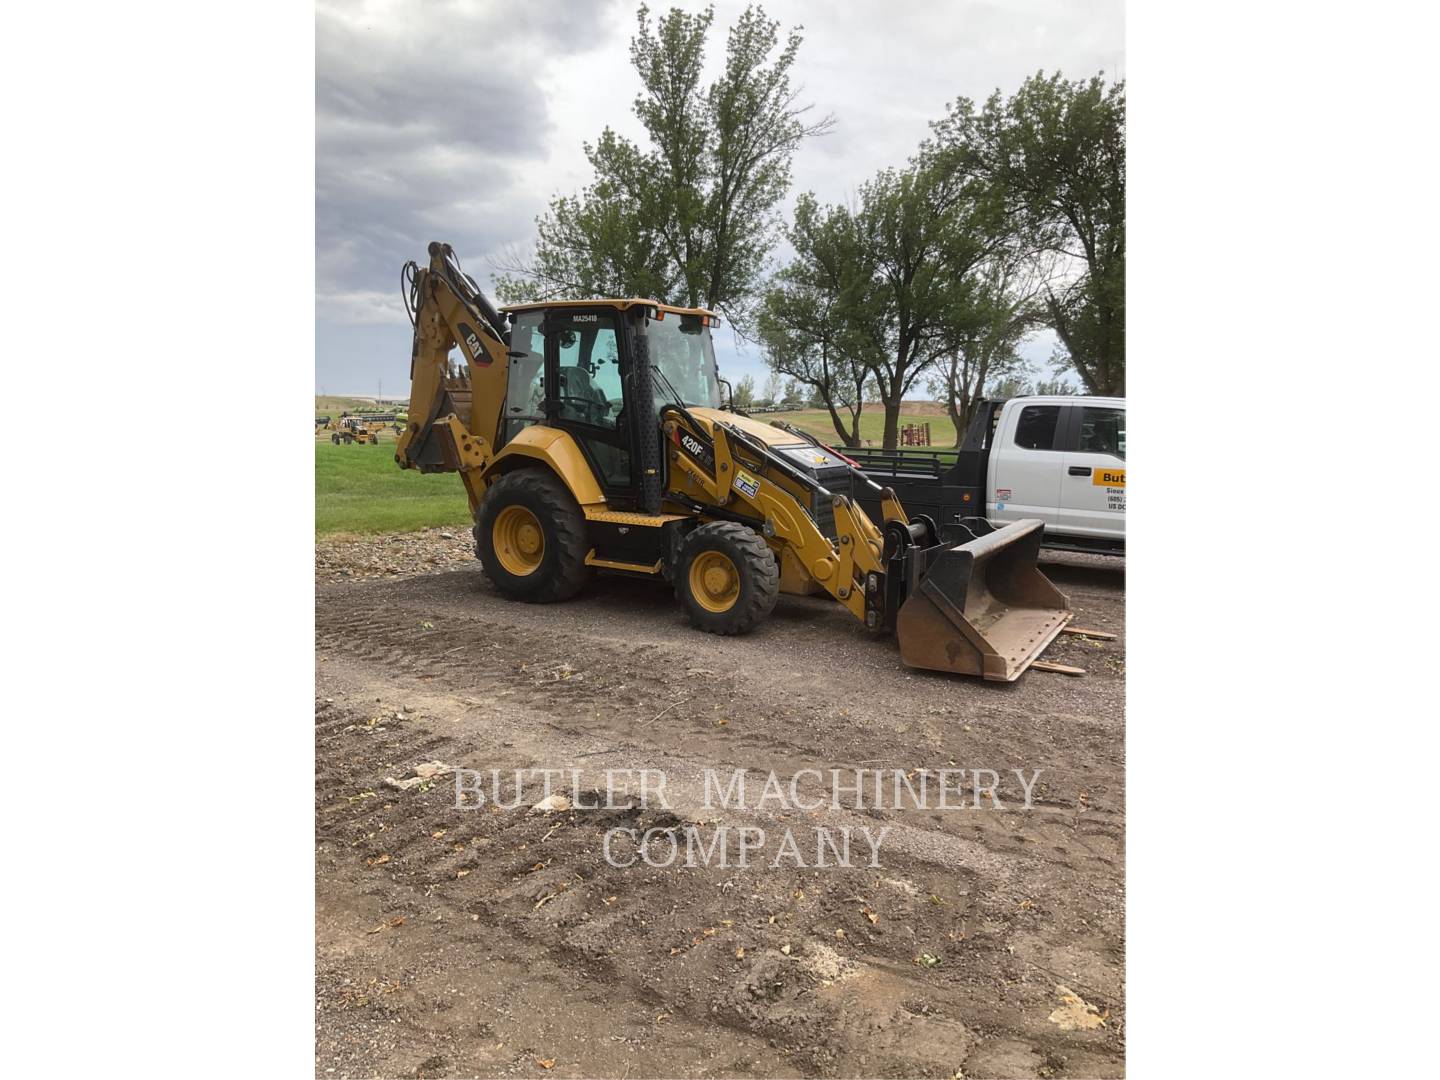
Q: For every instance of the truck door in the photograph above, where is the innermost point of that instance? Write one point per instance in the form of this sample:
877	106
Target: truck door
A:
1092	491
1025	465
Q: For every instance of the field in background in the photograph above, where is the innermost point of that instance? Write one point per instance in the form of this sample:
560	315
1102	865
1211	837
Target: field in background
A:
872	423
360	489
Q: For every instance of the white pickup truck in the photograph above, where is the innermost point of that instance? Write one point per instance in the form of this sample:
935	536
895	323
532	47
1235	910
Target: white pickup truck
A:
1060	459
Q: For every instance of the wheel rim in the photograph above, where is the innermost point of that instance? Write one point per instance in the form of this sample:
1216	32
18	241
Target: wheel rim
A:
519	540
714	581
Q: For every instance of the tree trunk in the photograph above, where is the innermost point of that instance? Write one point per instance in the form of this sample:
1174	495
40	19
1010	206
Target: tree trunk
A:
845	437
892	424
958	419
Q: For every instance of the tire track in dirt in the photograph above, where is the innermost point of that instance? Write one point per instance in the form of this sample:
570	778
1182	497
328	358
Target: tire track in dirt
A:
1034	899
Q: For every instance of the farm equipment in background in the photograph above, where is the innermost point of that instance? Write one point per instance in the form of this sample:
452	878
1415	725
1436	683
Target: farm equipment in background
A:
589	435
915	434
354	429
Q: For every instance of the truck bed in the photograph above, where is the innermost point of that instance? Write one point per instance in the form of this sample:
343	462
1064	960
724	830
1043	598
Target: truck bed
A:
943	489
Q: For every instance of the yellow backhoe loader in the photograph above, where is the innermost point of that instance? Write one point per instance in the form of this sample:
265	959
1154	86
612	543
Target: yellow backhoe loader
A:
590	435
350	429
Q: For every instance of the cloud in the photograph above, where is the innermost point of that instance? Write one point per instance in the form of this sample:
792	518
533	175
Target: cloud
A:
430	123
457	121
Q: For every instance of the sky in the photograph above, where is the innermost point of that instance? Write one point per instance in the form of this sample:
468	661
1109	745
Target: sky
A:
459	120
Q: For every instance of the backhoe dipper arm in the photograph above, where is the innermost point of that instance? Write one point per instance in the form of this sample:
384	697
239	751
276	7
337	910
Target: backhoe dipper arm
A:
449	310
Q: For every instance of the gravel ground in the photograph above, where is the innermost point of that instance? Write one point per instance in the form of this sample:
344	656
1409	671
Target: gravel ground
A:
346	557
465	942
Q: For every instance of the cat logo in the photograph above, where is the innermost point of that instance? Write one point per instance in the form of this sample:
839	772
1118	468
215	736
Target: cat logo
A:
471	340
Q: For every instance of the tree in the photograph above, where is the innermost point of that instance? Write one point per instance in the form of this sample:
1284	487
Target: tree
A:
926	230
985	346
773	388
1018	384
803	325
691	219
878	293
744	396
1054	158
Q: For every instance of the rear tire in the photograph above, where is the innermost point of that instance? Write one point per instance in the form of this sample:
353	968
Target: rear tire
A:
725	578
530	537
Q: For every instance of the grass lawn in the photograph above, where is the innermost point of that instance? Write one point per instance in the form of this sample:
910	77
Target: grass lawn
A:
872	426
360	489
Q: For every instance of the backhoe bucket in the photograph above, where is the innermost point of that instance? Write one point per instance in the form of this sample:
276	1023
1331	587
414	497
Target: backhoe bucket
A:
981	606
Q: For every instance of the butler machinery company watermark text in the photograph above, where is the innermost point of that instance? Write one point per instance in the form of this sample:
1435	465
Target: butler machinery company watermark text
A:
703	843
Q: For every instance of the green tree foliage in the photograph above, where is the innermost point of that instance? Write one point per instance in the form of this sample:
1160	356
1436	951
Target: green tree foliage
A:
895	279
985	348
1053	156
1019	384
804	324
745	392
691	218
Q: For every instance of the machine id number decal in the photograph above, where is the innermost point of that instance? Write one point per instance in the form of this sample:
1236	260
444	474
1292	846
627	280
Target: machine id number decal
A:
747	485
1108	478
698	449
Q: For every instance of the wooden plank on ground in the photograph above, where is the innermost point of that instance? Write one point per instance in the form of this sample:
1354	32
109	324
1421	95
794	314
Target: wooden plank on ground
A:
1050	665
1103	635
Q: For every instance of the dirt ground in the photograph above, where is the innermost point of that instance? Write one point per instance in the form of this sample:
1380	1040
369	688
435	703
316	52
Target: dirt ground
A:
486	942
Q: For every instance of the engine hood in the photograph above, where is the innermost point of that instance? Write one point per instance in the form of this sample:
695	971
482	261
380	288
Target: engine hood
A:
766	433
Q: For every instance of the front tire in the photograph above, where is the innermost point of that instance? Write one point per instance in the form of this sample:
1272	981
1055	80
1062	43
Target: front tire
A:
726	579
530	537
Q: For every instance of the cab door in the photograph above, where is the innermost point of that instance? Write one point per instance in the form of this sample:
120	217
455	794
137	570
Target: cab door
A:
1092	491
585	380
1026	463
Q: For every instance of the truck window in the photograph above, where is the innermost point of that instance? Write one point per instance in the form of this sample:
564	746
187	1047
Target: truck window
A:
1035	430
1102	431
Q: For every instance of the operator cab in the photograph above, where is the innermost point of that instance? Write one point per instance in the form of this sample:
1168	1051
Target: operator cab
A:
601	370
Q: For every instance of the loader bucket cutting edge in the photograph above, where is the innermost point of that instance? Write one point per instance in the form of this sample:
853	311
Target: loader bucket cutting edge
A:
984	608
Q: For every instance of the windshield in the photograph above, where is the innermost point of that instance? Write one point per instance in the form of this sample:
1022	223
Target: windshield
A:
681	350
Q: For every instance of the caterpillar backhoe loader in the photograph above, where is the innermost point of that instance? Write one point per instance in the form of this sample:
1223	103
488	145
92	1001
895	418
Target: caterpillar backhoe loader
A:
590	435
355	429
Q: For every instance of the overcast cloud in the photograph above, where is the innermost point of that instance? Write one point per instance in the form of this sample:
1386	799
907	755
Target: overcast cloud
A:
458	121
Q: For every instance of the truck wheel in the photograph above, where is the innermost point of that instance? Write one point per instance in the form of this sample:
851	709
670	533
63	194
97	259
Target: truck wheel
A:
530	537
335	439
726	578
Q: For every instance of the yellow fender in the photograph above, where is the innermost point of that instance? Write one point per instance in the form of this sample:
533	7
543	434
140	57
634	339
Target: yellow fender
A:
555	449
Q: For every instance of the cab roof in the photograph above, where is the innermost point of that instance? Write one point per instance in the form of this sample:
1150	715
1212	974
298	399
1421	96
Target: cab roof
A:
620	304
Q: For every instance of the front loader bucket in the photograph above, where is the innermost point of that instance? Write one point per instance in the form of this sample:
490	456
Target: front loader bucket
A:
982	606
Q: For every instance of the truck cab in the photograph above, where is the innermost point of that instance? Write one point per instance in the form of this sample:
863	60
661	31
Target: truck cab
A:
1060	459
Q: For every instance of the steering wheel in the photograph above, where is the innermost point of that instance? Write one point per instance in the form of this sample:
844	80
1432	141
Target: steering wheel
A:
593	411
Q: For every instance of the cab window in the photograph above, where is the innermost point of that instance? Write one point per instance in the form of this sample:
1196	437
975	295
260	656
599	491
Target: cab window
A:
588	385
1035	430
525	398
1102	431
